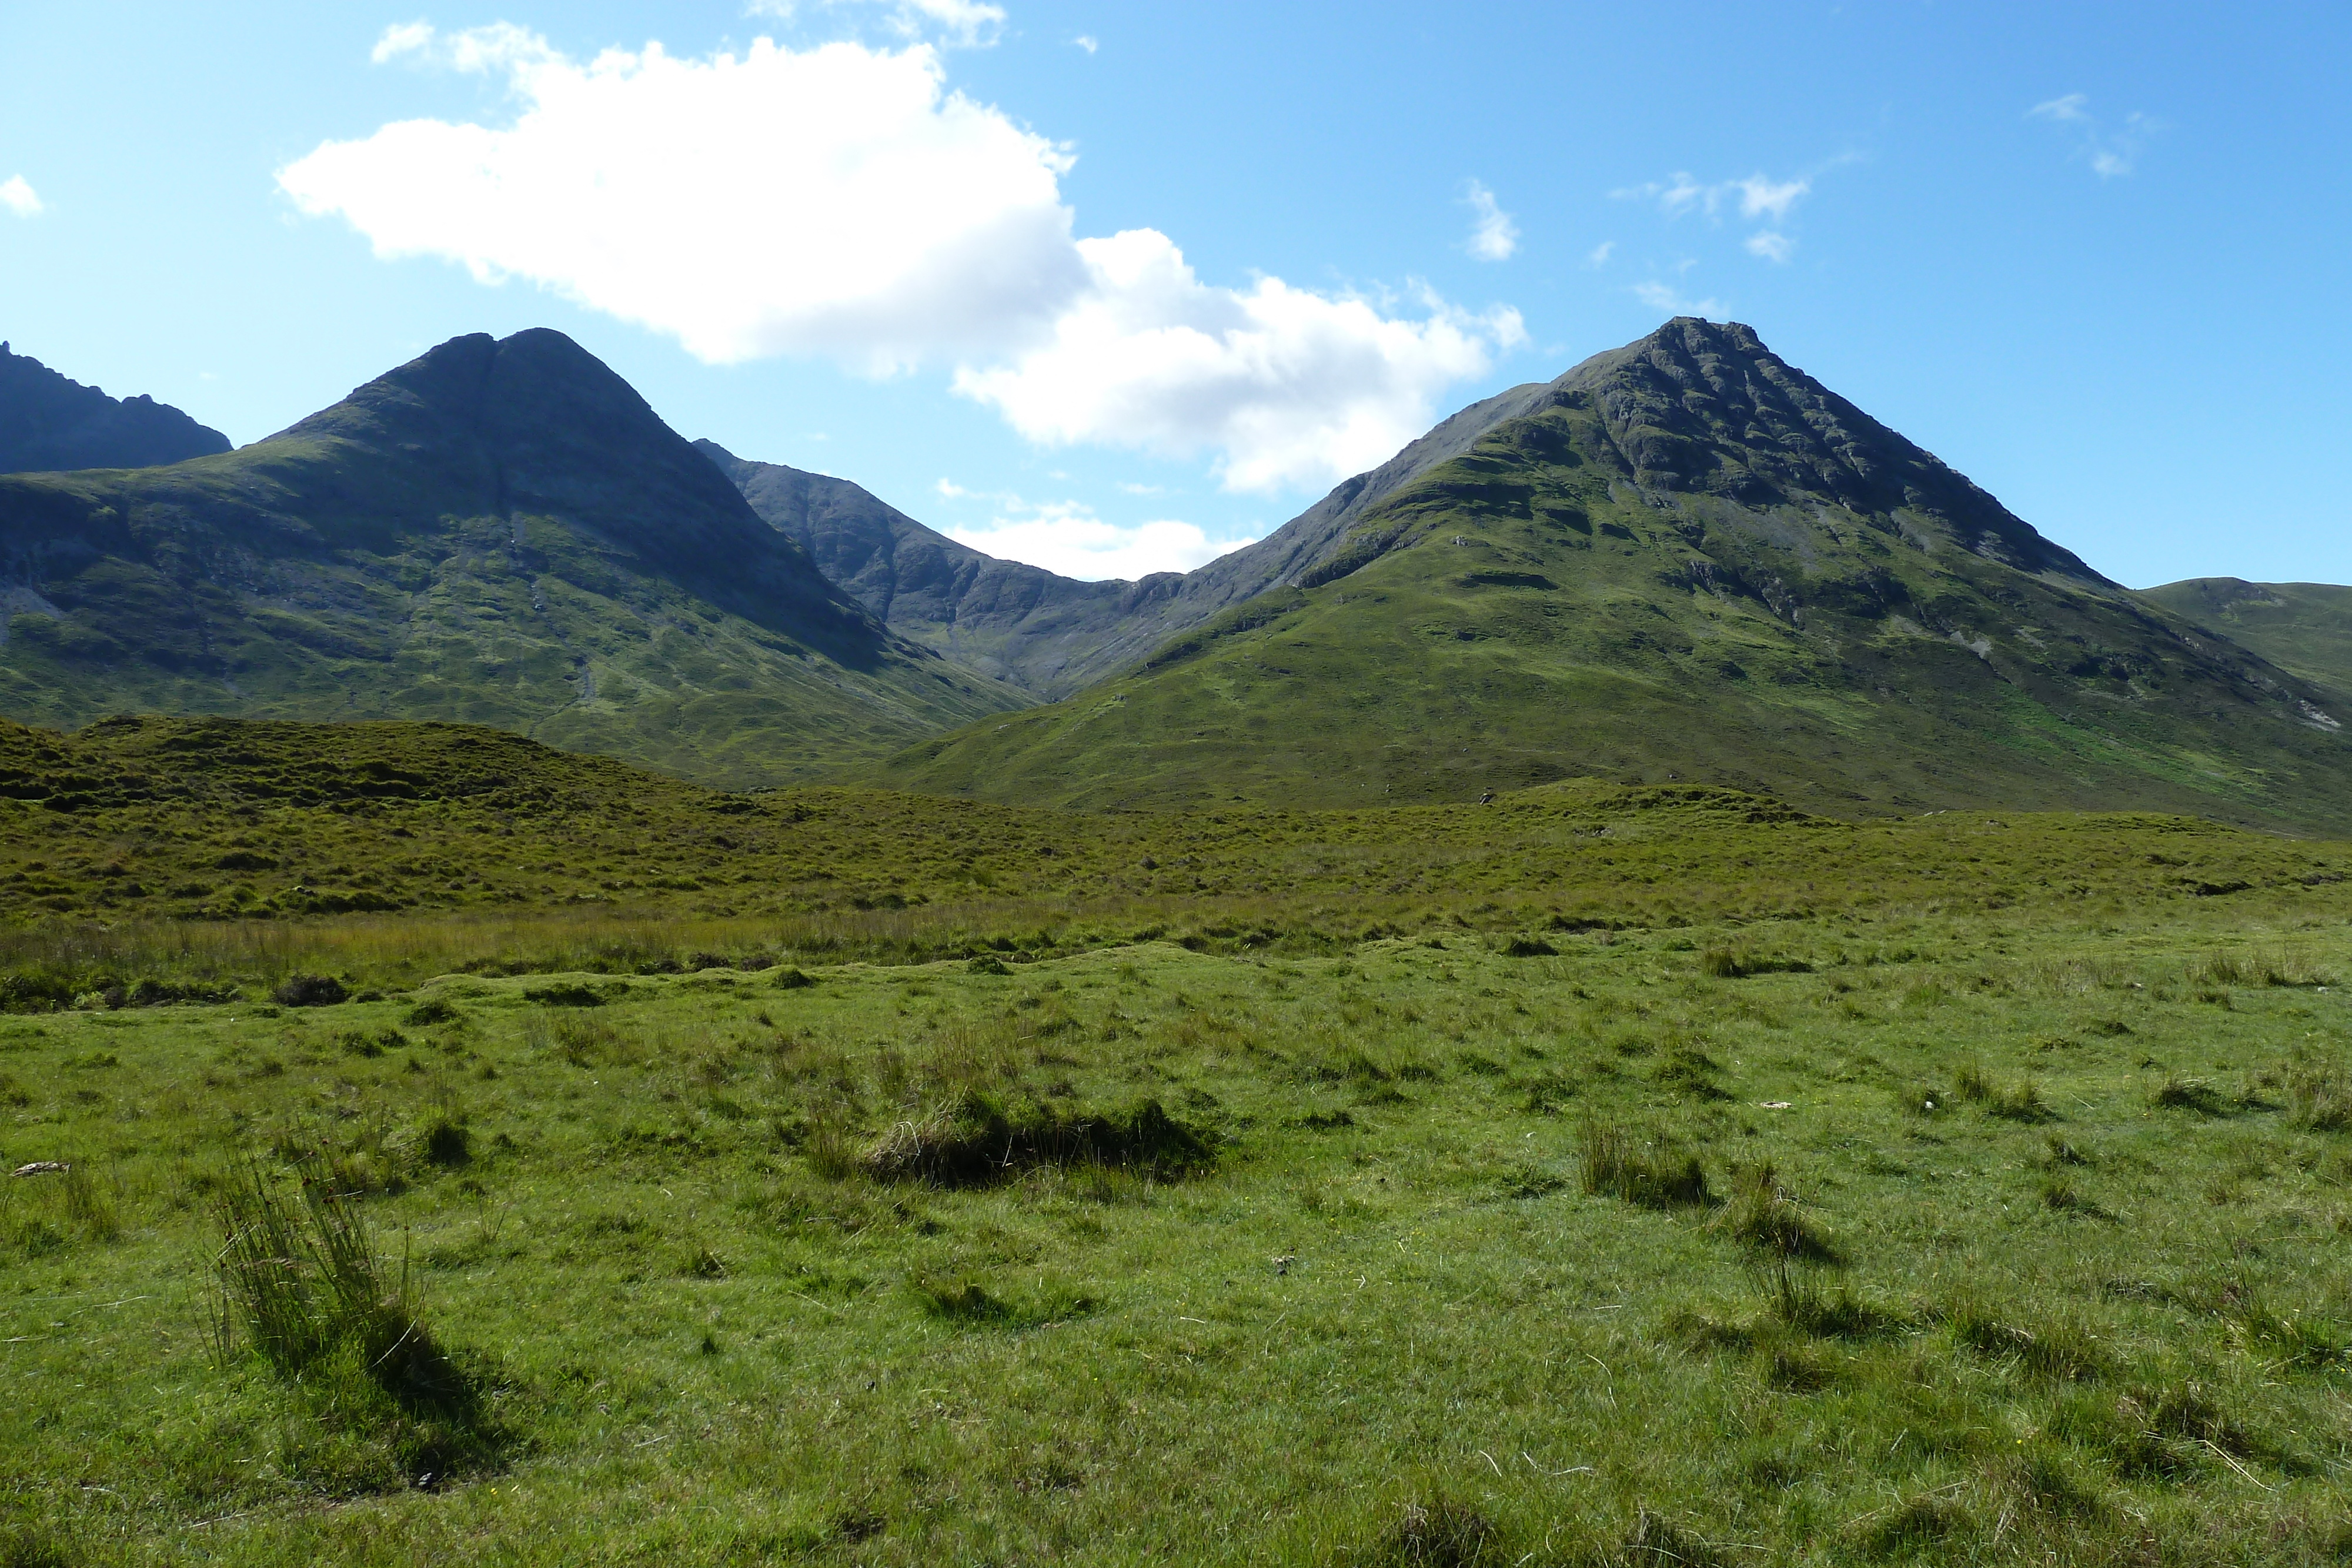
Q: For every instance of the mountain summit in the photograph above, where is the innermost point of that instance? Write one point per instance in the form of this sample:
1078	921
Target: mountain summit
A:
500	532
1682	558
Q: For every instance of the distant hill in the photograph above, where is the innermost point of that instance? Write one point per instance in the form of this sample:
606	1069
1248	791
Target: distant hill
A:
1044	633
49	423
2305	627
1683	559
499	532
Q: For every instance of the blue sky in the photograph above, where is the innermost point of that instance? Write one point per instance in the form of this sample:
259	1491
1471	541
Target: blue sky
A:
1107	286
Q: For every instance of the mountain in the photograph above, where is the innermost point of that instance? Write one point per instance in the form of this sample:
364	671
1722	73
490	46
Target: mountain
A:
1046	634
47	422
2305	627
1683	559
499	532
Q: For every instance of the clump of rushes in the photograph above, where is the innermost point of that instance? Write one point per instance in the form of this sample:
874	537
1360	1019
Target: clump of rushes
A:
2018	1102
979	1140
298	1282
1653	1173
2176	1093
1762	1216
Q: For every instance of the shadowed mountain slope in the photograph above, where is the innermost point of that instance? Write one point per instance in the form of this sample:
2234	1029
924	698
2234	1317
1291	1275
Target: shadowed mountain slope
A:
1683	559
499	532
1052	635
2303	627
49	423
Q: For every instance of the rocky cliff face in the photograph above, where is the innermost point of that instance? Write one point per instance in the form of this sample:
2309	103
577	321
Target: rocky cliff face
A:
49	423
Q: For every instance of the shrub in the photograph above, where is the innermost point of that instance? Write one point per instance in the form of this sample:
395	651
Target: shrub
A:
448	1144
310	992
1654	1174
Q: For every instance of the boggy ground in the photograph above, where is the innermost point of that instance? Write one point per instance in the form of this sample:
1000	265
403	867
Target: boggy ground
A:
2009	1235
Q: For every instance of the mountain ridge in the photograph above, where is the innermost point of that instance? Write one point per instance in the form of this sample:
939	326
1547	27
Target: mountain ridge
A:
49	423
1682	558
500	532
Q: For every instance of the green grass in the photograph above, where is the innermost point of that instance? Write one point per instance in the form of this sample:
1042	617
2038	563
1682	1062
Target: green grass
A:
1535	610
554	562
2305	627
1597	1174
1377	1246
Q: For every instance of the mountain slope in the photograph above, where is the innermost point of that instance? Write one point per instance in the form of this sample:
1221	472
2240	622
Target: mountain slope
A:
47	421
1018	623
1052	635
2304	627
499	532
1683	559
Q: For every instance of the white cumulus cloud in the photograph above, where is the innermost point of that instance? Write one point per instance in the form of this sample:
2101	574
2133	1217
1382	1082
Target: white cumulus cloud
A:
1067	537
1289	386
835	201
843	201
19	197
1493	236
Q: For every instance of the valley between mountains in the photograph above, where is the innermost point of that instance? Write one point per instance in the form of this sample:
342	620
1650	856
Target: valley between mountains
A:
1658	979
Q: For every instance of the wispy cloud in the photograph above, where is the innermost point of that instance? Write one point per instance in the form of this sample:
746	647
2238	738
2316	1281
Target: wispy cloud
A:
1758	195
1087	42
1600	254
1664	297
19	197
974	23
2111	150
1493	236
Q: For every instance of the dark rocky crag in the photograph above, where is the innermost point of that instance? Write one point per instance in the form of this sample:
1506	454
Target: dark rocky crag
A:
49	424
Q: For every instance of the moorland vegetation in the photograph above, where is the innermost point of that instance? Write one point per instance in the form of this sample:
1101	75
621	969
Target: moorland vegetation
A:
1605	1176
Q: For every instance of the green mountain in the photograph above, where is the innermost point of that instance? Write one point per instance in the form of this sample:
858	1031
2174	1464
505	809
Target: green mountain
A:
47	421
2305	627
1682	559
499	532
1046	634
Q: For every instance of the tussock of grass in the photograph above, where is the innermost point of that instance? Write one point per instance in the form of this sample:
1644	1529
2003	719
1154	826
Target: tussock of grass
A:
979	1140
1762	1216
2020	1101
1441	1534
1653	1172
1739	963
2056	1350
2176	1094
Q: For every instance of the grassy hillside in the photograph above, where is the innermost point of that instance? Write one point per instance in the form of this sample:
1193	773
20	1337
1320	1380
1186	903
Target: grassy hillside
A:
210	847
1691	563
2305	627
499	533
1986	1202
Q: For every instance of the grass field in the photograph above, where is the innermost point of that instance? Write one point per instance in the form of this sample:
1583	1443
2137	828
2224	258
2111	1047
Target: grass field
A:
1603	1176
